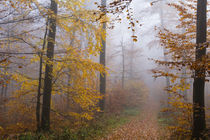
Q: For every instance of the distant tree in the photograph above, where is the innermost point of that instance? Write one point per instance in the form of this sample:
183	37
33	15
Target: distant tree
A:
164	50
123	63
115	7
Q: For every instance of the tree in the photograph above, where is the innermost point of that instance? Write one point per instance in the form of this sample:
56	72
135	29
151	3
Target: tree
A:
45	122
103	60
123	63
38	102
199	123
181	48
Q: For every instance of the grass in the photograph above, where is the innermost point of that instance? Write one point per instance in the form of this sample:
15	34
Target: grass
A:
98	128
165	121
107	123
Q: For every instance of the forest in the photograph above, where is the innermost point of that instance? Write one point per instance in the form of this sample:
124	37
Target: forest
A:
104	70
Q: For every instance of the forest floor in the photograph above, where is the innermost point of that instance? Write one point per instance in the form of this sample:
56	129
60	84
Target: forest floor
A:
144	123
145	126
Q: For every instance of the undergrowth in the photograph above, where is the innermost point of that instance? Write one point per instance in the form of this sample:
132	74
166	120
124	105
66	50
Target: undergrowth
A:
97	128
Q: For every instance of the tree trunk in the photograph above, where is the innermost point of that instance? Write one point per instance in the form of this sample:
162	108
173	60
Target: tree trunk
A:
199	124
131	61
45	120
164	52
38	103
103	62
123	64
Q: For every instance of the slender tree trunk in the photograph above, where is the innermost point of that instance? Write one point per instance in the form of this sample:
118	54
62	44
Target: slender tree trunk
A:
103	62
199	123
2	90
131	61
40	80
184	75
67	96
184	68
123	64
45	120
164	52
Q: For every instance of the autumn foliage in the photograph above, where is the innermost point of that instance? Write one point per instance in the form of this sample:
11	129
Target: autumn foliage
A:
25	29
179	45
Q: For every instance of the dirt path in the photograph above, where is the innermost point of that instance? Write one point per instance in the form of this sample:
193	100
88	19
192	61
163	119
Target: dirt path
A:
144	127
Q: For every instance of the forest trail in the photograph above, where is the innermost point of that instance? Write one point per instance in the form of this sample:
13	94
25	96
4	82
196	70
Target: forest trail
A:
143	127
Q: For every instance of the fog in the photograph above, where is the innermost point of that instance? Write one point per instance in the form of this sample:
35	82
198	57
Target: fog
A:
86	70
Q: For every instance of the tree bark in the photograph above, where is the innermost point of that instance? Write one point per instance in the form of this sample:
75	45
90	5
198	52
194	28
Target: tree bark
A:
45	119
103	62
199	123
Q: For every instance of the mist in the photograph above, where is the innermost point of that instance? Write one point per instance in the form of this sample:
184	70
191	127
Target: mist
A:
104	70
